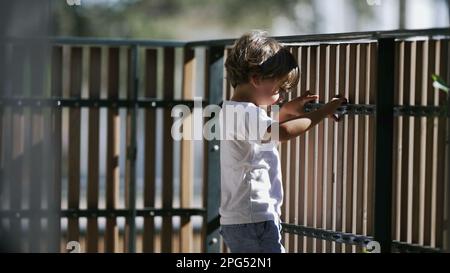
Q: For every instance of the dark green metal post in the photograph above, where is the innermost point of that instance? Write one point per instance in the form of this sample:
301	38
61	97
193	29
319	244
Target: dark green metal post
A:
215	65
384	142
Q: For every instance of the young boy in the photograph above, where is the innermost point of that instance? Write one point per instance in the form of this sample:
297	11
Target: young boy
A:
261	70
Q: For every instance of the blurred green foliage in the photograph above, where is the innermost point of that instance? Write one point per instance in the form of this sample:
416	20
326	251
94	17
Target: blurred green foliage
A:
182	19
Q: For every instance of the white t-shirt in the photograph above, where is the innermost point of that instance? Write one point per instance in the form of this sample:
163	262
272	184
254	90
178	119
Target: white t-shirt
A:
251	189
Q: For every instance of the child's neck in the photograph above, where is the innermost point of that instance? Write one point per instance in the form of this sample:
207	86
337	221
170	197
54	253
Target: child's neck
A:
244	93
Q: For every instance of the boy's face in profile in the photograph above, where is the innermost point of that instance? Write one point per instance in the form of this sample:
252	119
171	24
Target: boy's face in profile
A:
268	90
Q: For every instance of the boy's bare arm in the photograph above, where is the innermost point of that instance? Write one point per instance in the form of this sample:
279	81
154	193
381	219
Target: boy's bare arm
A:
296	126
295	107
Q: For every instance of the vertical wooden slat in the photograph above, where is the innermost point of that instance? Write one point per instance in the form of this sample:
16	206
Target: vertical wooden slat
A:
352	145
305	145
366	206
438	65
320	143
5	150
446	201
187	154
112	151
4	138
284	155
434	100
442	137
3	116
340	165
318	130
28	242
34	146
167	186
398	133
129	152
331	177
310	135
416	100
93	149
150	149
325	178
54	198
350	122
7	172
356	219
410	136
297	188
370	99
395	166
27	223
130	144
363	134
421	98
301	215
404	213
125	56
16	175
286	181
334	72
293	175
204	230
359	155
430	144
74	141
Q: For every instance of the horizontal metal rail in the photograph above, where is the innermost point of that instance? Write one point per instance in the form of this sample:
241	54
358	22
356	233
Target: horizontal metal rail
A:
75	213
110	103
351	239
370	109
329	235
347	36
370	35
327	37
350	109
405	247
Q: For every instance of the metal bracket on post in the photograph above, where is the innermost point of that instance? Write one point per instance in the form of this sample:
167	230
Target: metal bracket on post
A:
384	142
212	223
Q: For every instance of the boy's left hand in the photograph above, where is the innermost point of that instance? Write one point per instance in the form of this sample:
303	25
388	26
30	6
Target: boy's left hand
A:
304	99
343	101
297	106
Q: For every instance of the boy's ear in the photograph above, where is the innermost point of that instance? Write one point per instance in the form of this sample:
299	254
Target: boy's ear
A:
255	80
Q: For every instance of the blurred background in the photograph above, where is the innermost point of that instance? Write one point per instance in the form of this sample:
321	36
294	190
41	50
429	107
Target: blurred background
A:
206	19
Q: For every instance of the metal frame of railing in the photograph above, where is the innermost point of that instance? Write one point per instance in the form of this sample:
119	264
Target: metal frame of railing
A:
384	110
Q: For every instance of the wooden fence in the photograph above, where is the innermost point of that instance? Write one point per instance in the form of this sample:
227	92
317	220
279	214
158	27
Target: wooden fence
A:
87	153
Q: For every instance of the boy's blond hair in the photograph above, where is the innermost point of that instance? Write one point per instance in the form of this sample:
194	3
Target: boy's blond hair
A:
254	53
